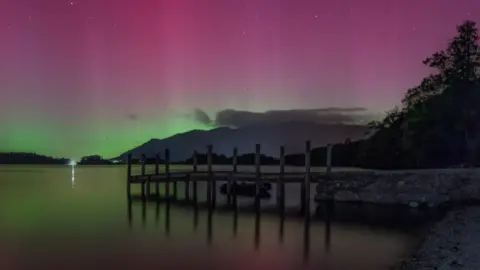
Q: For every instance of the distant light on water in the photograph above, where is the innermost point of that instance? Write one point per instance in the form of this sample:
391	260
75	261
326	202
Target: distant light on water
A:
73	163
73	176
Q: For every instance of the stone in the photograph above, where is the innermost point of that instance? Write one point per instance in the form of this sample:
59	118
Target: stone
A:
421	187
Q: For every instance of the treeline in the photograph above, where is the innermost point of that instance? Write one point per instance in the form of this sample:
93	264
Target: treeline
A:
29	158
438	123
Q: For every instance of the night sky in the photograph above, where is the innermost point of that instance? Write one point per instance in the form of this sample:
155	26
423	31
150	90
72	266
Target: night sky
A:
101	76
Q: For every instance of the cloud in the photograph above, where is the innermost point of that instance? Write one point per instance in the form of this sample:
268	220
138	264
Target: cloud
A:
132	116
201	117
333	115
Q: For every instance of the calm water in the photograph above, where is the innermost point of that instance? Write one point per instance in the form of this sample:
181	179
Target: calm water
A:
54	218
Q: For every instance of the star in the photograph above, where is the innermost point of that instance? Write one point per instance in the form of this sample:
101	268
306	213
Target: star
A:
414	29
244	33
315	16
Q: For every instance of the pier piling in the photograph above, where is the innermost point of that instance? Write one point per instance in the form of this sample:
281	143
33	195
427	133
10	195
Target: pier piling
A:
210	182
167	173
257	176
194	180
157	172
233	179
306	185
281	183
129	175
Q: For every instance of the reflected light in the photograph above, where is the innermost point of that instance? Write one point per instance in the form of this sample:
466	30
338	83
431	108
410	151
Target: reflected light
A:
73	176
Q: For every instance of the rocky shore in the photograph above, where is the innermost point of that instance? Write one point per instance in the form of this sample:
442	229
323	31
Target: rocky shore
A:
452	243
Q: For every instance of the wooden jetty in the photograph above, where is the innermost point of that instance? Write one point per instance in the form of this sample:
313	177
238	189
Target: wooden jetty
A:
210	177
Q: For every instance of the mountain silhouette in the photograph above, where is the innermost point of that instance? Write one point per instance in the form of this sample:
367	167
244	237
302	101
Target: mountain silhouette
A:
292	135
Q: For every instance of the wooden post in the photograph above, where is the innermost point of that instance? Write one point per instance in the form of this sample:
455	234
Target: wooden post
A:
233	180
329	170
147	181
157	172
306	184
211	190
281	183
175	188
235	159
329	158
187	187
195	169
167	173
257	176
143	164
129	174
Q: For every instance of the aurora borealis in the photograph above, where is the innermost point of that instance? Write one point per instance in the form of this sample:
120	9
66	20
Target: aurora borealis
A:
79	77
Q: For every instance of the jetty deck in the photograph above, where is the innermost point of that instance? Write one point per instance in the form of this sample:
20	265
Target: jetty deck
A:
257	178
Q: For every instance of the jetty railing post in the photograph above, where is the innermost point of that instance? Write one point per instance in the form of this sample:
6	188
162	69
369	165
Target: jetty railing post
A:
329	158
281	183
142	164
129	174
157	172
233	179
210	176
175	188
148	180
194	180
187	186
257	176
306	199
329	170
167	173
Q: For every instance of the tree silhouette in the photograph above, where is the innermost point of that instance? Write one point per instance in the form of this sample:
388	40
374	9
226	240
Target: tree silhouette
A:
440	116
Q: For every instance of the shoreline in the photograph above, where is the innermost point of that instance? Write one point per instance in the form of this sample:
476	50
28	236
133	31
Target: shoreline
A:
451	243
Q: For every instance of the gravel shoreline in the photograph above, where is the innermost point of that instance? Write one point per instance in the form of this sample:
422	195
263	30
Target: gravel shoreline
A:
452	243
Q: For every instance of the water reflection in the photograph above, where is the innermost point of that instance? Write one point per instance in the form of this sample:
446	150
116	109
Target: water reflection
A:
257	229
73	176
209	225
167	218
157	213
210	222
195	217
313	234
306	238
235	222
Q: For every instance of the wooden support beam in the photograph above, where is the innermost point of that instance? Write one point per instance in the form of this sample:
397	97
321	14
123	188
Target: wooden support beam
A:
306	184
129	174
257	176
143	160
232	179
329	158
157	172
281	181
195	169
211	195
167	173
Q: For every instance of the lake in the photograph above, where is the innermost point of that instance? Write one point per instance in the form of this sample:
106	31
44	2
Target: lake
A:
53	217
